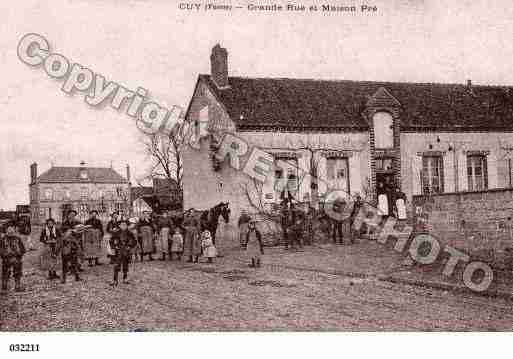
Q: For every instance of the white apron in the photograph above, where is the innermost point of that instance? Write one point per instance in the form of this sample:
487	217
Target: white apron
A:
383	204
401	208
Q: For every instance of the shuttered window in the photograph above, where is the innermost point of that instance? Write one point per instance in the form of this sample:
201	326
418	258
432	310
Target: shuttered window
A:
477	173
432	174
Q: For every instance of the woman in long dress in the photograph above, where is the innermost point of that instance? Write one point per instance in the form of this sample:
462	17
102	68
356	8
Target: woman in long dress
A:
192	241
382	200
146	238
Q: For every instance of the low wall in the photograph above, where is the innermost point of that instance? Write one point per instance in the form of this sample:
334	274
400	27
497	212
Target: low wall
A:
479	223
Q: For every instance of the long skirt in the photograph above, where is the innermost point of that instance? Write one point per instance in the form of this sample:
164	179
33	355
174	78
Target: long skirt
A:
147	240
192	243
49	261
92	243
162	243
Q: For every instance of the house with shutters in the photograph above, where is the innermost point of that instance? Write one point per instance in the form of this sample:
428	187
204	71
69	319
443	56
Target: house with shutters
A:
422	137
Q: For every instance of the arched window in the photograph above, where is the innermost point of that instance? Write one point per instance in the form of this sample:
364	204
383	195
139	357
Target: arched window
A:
383	130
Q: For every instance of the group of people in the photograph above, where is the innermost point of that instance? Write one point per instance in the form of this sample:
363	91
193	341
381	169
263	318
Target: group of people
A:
124	240
170	238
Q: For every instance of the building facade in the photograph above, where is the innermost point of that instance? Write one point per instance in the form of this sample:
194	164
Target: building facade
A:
353	135
62	189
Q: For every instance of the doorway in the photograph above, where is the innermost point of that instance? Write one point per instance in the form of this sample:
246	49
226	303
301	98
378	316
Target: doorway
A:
384	182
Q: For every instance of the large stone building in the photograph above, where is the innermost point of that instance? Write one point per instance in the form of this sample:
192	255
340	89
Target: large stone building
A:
424	137
60	189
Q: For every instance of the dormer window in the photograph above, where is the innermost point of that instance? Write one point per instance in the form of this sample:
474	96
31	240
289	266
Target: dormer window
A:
383	130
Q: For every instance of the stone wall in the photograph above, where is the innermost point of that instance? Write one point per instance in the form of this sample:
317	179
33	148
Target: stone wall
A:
479	223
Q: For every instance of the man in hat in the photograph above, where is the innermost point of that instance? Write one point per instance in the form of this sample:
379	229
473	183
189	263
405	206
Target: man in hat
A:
70	223
122	242
49	236
95	223
12	251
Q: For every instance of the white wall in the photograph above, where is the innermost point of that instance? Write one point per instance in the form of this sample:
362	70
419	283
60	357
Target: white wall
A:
411	143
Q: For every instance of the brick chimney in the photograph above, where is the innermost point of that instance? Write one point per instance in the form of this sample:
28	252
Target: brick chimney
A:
128	173
33	173
219	66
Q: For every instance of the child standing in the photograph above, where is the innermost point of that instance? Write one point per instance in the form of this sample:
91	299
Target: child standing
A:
122	242
209	250
254	245
11	251
177	245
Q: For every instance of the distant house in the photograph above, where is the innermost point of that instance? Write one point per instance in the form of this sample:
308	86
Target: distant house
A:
163	195
61	189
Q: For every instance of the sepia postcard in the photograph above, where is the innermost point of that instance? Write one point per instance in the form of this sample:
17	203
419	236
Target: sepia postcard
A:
255	166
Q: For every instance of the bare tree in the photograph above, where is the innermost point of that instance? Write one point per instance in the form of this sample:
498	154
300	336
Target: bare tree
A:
165	151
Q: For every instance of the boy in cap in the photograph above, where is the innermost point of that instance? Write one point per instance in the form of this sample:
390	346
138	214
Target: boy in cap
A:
122	242
69	224
11	251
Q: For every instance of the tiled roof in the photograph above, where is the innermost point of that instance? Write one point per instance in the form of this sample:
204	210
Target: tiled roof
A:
72	174
296	104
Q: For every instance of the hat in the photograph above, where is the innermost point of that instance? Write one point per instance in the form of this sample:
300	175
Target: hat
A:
93	211
72	211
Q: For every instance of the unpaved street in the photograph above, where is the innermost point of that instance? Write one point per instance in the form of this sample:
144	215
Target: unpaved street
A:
288	293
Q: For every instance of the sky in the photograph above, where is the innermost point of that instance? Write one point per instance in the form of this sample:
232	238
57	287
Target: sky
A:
157	46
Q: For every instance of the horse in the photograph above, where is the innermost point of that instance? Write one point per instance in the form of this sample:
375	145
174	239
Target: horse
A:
209	218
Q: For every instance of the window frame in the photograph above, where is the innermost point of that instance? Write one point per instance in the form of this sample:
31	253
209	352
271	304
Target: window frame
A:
471	169
429	178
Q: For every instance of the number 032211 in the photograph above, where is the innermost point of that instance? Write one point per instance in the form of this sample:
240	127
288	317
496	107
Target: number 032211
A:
24	347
